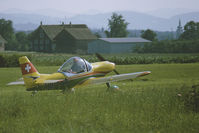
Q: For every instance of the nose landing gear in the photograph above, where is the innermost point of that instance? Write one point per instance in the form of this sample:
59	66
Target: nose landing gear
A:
112	87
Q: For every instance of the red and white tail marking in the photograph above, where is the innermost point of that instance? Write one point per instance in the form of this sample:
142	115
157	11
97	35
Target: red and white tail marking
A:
27	68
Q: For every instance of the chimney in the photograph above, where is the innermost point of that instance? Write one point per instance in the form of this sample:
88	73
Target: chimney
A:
70	24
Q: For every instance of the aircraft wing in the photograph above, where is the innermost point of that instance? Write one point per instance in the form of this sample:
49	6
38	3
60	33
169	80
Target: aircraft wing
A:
52	81
116	77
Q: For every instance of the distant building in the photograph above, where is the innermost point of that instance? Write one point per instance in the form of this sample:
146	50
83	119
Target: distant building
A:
2	43
115	45
65	38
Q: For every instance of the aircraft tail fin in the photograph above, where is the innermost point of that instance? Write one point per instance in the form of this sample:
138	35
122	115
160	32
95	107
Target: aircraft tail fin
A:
29	72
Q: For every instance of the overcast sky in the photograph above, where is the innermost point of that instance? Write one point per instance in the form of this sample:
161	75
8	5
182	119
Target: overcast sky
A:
79	6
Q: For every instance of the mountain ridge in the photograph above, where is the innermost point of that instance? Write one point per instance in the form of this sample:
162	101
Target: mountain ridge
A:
136	20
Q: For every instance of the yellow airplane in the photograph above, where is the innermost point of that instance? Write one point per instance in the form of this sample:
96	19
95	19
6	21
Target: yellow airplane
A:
75	72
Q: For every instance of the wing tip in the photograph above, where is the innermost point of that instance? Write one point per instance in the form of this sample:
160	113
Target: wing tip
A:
144	73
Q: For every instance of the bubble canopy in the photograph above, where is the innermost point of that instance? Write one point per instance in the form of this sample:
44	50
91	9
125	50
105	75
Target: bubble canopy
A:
75	65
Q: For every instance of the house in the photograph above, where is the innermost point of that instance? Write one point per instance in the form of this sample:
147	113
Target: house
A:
65	38
115	45
2	43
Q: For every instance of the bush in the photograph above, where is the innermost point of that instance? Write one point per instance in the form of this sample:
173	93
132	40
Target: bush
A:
2	61
175	46
10	60
190	97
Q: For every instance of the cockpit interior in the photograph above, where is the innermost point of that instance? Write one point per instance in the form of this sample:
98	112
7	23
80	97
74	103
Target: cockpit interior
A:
75	65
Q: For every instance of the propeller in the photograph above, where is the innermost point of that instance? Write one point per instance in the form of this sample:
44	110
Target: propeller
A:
101	58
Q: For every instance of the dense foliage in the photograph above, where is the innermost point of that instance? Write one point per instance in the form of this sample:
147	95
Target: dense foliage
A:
11	59
191	31
22	41
188	42
117	26
15	41
7	32
6	29
190	97
177	46
149	35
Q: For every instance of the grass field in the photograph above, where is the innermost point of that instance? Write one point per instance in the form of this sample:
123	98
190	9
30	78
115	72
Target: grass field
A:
148	104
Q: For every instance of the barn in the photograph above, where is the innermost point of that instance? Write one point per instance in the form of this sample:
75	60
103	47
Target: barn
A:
64	38
115	45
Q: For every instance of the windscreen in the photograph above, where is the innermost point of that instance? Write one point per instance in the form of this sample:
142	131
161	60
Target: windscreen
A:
74	65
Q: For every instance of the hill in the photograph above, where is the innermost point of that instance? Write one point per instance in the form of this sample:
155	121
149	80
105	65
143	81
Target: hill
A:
137	20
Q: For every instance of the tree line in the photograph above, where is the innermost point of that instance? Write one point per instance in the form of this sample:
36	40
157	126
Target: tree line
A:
18	41
187	42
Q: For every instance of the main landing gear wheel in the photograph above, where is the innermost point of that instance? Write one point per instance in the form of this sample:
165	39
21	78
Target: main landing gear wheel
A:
112	87
33	93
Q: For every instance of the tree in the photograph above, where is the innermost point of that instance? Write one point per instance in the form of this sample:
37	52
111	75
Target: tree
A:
7	31
117	26
191	31
97	35
149	35
22	40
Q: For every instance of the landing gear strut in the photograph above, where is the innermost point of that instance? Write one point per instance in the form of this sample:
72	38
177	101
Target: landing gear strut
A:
33	93
112	88
72	90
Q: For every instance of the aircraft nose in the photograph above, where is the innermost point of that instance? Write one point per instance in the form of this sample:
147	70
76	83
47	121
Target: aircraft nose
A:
111	66
104	66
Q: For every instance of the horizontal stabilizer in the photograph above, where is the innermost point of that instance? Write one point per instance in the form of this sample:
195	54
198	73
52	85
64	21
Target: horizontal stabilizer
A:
16	83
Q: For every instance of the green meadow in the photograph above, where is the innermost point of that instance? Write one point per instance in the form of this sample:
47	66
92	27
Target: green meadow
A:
156	103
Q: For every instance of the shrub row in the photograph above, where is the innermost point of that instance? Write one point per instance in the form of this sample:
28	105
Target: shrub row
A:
11	60
169	46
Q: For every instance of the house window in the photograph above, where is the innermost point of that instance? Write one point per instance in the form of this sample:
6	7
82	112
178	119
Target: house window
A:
41	34
53	46
35	41
36	45
41	44
47	41
31	45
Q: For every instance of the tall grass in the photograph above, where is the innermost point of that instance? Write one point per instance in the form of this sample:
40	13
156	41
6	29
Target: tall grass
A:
148	104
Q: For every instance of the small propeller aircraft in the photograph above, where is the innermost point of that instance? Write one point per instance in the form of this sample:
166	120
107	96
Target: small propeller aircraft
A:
75	72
